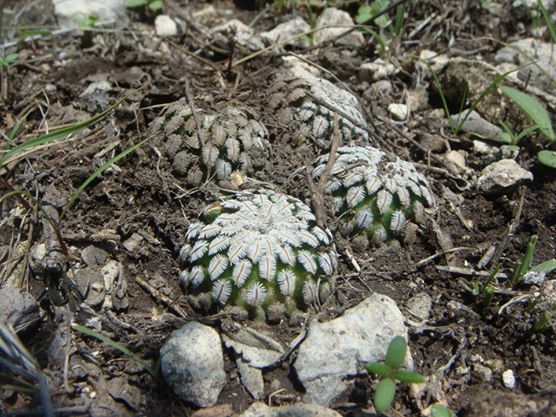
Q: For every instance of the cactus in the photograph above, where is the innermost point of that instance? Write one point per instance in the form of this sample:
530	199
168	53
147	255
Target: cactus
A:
375	194
228	144
258	251
299	96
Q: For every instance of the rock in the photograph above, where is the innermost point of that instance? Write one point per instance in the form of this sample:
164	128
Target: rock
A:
376	70
485	402
508	378
94	256
420	306
472	122
398	111
435	60
455	160
286	30
417	99
342	347
242	33
115	286
18	308
502	175
335	17
165	25
256	348
192	364
132	244
296	410
251	378
483	372
382	88
73	12
222	410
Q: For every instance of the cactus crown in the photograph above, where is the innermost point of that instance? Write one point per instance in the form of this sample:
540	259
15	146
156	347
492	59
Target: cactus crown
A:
376	193
232	140
257	251
298	95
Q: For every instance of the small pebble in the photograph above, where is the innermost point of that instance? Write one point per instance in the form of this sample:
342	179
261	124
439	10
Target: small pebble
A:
508	378
398	111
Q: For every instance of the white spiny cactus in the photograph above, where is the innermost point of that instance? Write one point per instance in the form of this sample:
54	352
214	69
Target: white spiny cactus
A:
377	194
233	140
258	251
298	95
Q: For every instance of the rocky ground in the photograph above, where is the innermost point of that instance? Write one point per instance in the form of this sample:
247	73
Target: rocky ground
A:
93	219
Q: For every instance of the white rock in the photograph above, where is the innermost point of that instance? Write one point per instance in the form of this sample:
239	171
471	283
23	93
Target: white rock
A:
164	25
501	175
286	30
420	306
72	12
342	347
398	111
192	364
456	162
376	70
243	34
335	17
473	122
434	59
508	378
296	410
260	350
252	379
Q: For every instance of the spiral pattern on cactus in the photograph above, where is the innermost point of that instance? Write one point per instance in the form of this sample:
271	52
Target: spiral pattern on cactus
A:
258	251
298	95
375	193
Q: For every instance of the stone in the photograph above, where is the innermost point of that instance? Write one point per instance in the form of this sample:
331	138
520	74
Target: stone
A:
252	379
376	70
342	347
192	363
502	175
260	409
398	111
420	306
508	378
434	59
286	30
487	402
132	244
165	25
73	12
332	16
455	160
18	308
94	256
242	33
472	122
483	372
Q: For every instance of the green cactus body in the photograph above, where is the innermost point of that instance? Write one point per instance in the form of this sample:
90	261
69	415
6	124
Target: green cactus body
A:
299	96
258	251
376	194
231	141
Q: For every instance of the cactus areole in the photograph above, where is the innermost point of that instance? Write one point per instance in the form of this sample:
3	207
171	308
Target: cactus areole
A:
257	251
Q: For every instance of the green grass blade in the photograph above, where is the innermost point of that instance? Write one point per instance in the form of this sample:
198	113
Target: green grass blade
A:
99	171
548	20
547	266
15	129
40	140
525	265
116	345
536	112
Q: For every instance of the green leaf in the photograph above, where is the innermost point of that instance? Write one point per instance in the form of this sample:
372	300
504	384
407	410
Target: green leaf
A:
364	14
547	158
380	369
7	60
525	265
384	395
408	376
536	112
439	410
155	5
548	20
546	266
543	322
396	352
135	3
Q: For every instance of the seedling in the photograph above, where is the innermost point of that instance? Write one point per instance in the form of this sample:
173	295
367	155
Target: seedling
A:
439	410
391	371
376	13
541	123
152	5
7	60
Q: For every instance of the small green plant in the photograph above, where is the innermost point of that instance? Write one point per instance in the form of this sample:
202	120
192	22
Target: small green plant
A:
438	410
391	371
7	60
541	123
152	5
388	31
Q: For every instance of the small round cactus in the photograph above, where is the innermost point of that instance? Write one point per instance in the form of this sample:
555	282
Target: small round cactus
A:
298	95
230	143
375	193
258	251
